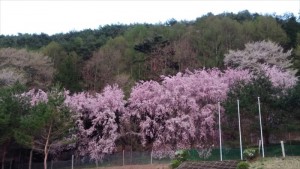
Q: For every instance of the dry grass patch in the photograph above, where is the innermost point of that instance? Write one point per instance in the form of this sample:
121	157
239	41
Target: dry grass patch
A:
276	163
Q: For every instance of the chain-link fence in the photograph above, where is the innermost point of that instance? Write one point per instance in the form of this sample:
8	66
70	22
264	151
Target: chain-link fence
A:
116	159
228	153
138	158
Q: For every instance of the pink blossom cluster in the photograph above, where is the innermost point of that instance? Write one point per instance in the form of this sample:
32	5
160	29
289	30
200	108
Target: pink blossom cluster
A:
180	112
283	79
35	96
96	116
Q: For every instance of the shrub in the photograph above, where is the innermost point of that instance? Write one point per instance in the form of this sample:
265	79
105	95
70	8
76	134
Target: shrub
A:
180	156
250	153
243	165
175	163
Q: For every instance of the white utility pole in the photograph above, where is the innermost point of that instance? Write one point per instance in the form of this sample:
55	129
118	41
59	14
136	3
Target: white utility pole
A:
241	147
220	135
261	132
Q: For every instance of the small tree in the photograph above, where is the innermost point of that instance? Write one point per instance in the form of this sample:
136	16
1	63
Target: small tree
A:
10	112
47	123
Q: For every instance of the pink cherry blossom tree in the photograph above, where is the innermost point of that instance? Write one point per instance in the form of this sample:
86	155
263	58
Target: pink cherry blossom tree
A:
180	111
97	120
257	53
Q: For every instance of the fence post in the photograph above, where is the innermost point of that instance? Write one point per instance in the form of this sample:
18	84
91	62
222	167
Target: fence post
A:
259	145
10	164
72	161
123	157
51	164
282	148
151	158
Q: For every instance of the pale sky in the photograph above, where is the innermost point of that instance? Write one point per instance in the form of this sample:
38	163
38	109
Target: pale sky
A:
61	16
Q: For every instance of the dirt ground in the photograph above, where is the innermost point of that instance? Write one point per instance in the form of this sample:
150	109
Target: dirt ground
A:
149	166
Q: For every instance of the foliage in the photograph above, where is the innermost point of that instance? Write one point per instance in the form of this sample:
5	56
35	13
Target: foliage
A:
11	111
180	156
243	165
250	153
215	36
55	51
282	79
105	64
179	113
30	68
174	112
68	73
270	84
47	124
273	115
10	76
290	25
259	53
146	51
175	163
291	103
98	117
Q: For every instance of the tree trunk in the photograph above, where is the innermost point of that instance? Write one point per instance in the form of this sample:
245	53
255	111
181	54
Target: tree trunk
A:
3	157
46	149
30	159
45	161
266	137
10	164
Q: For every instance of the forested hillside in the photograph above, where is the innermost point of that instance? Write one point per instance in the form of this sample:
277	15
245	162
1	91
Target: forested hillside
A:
124	54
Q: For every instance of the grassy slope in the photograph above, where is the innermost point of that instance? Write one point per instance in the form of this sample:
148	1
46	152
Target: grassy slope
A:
276	163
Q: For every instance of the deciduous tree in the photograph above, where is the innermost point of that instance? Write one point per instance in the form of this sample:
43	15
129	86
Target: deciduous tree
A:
36	69
257	54
98	117
180	112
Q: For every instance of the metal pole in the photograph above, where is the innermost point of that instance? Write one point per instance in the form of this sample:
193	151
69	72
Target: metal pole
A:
151	157
72	161
261	133
220	135
282	148
123	157
241	147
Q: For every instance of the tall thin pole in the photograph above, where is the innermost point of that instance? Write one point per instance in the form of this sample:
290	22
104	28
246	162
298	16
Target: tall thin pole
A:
72	161
241	147
299	10
220	135
0	17
261	133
